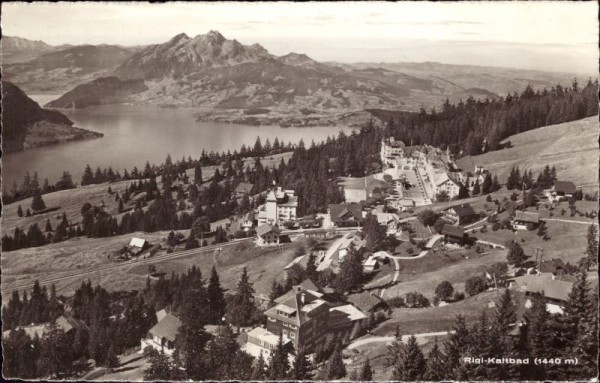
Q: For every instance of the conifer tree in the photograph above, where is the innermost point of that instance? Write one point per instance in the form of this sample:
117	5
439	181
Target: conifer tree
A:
112	360
434	366
258	370
279	365
410	365
592	246
48	226
241	307
160	367
455	347
216	300
366	373
302	368
19	211
336	369
38	203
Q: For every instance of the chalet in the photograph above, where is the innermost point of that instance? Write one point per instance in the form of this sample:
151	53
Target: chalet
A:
267	234
137	245
302	318
345	215
367	302
243	188
162	335
461	214
454	234
555	291
391	221
525	220
555	267
560	191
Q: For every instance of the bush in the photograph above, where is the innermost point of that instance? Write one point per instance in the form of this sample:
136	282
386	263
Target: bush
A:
415	299
488	198
495	226
475	285
444	290
458	296
396	302
484	228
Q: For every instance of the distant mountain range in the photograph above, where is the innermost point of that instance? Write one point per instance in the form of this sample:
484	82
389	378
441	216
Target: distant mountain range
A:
26	125
231	78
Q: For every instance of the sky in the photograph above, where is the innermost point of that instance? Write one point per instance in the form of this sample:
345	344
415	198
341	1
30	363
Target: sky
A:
552	36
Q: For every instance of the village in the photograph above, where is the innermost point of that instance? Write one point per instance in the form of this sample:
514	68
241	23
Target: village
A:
414	207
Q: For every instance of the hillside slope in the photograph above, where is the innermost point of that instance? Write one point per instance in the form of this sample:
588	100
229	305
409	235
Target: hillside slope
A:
25	124
571	147
61	70
103	90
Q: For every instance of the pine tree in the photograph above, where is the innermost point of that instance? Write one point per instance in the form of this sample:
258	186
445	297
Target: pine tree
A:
258	370
279	365
351	271
592	246
216	300
38	203
112	360
55	354
311	266
516	256
476	188
366	373
88	177
20	211
241	308
410	363
48	226
434	369
302	369
160	367
455	347
335	366
506	316
191	336
495	184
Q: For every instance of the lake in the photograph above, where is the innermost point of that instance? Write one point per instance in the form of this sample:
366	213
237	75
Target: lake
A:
134	134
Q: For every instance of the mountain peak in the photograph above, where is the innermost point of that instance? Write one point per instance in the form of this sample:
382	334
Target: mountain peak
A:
215	36
179	37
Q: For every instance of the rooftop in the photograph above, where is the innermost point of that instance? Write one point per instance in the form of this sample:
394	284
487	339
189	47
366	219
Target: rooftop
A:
352	312
463	210
365	301
453	231
566	187
552	288
266	228
244	187
166	327
266	336
345	211
525	216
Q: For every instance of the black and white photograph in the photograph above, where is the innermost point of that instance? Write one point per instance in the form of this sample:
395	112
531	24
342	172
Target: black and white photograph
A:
300	191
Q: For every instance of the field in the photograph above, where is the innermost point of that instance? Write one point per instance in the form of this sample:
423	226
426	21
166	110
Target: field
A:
571	147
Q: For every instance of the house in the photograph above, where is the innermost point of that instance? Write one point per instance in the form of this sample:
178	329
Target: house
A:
243	188
552	266
555	291
137	245
345	214
280	207
67	324
560	191
162	335
461	214
306	285
453	234
262	341
442	182
525	220
344	320
371	263
367	302
267	234
391	221
403	204
302	318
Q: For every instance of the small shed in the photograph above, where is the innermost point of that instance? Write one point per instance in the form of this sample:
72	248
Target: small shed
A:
525	219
